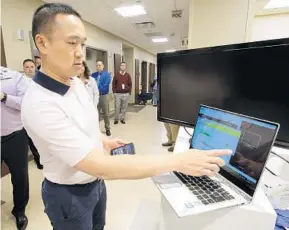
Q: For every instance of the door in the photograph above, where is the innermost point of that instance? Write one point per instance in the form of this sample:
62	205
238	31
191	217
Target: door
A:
144	77
3	56
137	76
151	75
4	170
117	62
102	56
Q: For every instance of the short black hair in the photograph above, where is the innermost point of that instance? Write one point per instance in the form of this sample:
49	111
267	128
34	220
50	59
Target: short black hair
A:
28	60
123	62
44	16
35	57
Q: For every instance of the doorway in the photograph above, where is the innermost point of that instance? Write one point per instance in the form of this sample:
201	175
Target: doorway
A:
128	58
94	55
144	77
117	62
137	76
151	75
3	55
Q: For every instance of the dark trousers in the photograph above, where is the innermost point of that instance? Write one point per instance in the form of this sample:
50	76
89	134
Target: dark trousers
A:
14	152
75	207
33	150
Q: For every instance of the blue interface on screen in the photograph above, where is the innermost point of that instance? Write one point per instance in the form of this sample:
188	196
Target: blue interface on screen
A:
216	129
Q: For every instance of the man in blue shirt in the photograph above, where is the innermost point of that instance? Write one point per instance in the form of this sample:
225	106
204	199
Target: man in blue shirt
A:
103	80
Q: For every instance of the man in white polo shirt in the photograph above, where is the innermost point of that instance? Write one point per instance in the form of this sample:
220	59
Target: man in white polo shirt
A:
62	121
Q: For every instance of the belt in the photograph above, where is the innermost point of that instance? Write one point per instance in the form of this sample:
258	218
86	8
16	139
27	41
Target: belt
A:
73	185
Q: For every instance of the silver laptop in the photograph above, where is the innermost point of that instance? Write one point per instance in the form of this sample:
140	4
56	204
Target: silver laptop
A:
251	140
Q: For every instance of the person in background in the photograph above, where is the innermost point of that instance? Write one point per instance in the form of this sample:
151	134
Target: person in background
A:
14	143
121	87
90	84
38	62
172	134
155	91
103	80
29	70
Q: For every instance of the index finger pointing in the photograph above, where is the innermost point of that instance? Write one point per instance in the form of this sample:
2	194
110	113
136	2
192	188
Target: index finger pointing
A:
219	152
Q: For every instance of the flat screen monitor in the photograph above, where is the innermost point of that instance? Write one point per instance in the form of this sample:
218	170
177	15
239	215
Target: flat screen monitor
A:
249	78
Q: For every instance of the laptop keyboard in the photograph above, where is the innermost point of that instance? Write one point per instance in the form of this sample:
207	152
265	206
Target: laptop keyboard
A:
206	190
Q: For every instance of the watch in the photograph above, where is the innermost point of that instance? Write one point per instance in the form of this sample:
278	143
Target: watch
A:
4	98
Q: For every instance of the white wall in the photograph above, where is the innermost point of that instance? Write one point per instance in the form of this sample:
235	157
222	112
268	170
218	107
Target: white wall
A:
17	14
220	22
145	56
270	27
17	50
102	40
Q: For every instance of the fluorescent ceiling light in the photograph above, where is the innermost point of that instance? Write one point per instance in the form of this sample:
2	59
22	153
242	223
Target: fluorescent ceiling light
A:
131	11
170	51
273	4
160	40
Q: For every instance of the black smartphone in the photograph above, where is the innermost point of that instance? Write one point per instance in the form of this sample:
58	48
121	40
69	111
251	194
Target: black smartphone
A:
127	149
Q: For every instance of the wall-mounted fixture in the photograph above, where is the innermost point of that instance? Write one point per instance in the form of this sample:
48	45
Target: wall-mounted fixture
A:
20	35
177	13
184	42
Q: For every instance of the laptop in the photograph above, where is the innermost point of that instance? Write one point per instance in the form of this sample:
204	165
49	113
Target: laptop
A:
249	138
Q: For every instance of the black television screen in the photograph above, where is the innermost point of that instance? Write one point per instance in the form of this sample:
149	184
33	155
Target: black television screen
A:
249	78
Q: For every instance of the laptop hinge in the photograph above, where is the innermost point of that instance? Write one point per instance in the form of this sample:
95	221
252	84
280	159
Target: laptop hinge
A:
234	188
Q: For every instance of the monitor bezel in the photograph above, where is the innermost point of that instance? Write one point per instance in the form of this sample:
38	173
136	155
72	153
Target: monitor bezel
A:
222	48
241	184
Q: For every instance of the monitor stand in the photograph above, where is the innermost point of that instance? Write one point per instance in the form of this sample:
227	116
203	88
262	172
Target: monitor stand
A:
259	214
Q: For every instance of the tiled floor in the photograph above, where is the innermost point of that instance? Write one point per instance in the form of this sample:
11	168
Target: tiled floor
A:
132	205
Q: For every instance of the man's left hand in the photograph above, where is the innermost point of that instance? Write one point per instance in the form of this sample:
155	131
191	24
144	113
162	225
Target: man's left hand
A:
110	144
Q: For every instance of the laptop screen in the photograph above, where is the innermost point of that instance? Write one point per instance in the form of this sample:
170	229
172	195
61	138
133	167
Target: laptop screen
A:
250	140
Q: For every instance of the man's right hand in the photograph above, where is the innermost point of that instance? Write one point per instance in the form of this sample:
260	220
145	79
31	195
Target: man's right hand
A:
201	162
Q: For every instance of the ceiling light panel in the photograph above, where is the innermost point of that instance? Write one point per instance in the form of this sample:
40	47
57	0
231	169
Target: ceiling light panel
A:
131	10
275	4
160	40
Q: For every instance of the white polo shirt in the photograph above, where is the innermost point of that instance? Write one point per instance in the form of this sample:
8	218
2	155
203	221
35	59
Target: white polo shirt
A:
63	123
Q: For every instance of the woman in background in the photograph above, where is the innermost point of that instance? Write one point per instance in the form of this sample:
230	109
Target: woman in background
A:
90	83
